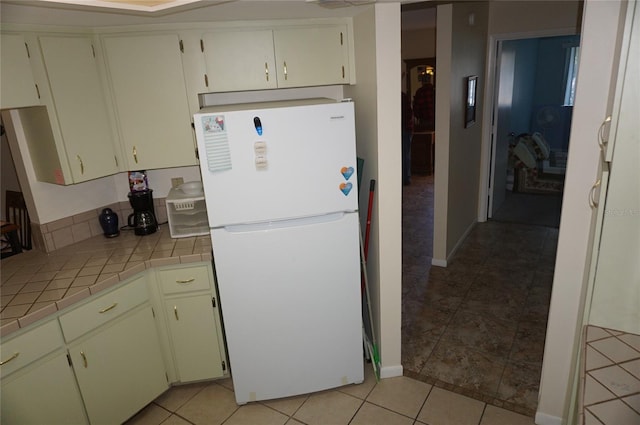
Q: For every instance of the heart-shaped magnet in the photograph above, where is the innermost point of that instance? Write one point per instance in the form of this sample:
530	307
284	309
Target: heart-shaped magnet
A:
346	188
346	172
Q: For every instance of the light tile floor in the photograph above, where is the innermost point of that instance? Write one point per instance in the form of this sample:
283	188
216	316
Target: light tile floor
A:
392	401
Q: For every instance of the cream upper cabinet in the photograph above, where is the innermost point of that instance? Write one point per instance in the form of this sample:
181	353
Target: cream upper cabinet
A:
239	60
312	56
276	58
78	103
17	85
150	98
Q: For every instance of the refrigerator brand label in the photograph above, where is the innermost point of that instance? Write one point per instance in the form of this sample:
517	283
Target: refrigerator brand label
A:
346	172
216	143
346	188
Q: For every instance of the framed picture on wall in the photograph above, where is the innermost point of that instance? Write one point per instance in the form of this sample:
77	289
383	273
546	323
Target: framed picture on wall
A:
470	102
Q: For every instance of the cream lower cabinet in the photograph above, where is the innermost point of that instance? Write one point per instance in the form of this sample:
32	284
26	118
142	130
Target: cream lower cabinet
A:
194	337
116	354
193	321
150	96
17	84
38	385
120	369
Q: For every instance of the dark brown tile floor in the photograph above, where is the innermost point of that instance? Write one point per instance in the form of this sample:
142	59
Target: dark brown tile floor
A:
476	327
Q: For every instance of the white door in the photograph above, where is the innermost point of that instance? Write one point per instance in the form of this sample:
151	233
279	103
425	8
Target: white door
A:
290	301
303	163
502	126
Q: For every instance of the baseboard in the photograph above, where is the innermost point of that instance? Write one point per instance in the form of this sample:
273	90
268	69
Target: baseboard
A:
390	371
545	419
438	262
461	241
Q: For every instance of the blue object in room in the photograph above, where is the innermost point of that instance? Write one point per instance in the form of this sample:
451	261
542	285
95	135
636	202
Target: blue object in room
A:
109	223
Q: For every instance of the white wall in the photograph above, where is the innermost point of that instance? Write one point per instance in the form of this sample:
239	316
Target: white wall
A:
420	43
377	100
458	149
532	16
599	32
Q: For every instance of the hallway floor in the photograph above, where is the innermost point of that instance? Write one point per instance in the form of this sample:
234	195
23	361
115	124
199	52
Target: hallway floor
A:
476	327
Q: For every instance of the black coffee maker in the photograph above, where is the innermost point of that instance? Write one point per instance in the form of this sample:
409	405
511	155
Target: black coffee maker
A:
143	220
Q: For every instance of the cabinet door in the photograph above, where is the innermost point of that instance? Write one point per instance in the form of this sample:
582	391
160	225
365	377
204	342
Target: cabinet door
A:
43	394
616	291
150	97
240	60
194	335
120	368
312	56
80	106
17	84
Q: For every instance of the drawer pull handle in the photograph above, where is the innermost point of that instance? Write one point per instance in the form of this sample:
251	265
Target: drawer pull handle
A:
175	312
286	76
84	359
601	140
81	164
15	355
185	281
266	71
111	307
135	154
592	199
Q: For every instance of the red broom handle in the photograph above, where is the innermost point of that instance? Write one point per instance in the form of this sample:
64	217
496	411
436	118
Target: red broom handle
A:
372	187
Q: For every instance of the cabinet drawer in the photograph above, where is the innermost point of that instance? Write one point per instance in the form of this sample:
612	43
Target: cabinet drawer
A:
30	346
99	311
184	279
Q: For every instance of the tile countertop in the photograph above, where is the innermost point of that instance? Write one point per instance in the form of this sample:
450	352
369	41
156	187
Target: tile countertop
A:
35	284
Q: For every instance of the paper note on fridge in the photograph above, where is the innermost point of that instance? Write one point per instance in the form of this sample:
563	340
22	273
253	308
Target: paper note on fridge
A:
216	143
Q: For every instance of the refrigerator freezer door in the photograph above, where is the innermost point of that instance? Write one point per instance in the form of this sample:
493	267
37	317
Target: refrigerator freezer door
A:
290	299
277	163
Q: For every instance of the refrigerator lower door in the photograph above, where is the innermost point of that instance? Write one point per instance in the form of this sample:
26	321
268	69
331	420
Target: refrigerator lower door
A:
290	301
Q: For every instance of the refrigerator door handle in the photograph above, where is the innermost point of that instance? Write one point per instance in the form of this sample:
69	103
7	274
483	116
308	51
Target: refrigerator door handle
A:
281	224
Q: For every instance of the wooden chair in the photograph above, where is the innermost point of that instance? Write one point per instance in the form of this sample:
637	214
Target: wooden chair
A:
16	213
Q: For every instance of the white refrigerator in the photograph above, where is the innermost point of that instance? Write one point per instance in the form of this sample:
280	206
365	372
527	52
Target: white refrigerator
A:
280	188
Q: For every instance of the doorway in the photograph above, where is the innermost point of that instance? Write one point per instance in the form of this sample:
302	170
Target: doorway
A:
533	105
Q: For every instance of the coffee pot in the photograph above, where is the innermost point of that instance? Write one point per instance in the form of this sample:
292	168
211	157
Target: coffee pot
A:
143	219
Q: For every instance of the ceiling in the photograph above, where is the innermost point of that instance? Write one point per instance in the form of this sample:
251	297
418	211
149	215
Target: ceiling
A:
122	12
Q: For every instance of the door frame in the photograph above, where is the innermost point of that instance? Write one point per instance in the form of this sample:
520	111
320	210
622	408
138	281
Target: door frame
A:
490	102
